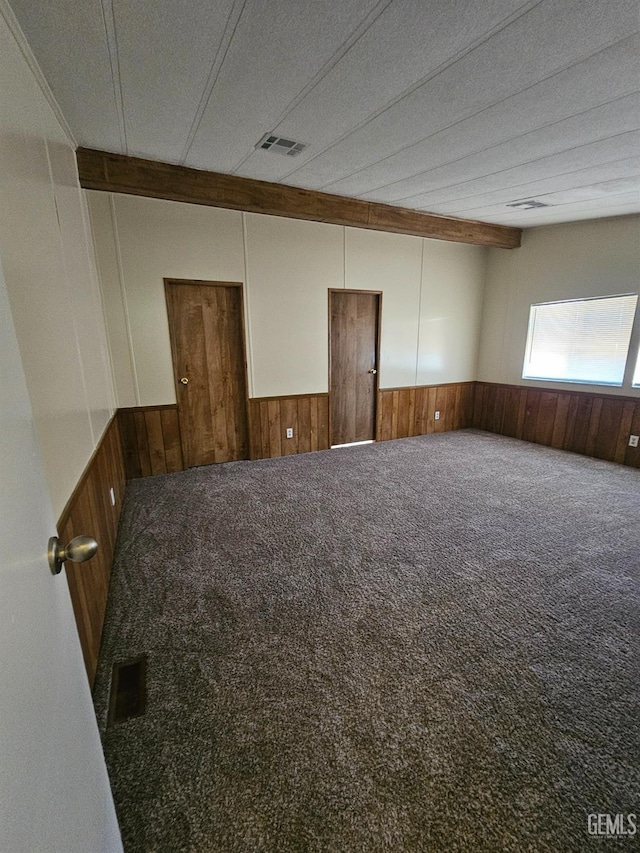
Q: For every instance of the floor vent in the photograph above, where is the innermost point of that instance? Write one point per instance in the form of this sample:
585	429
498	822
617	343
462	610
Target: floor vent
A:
279	145
128	697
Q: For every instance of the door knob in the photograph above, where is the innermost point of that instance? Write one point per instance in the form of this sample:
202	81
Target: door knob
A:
373	370
80	549
184	380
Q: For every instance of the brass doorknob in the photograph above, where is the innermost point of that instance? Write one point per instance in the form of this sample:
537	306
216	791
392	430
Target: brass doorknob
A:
373	370
184	380
80	549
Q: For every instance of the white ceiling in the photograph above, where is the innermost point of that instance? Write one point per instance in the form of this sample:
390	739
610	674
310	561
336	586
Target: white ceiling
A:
455	107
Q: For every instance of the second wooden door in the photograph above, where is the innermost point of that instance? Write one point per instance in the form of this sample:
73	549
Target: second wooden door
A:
354	325
207	343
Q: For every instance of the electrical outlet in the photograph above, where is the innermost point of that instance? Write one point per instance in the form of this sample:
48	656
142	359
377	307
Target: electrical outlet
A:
633	441
289	432
112	495
437	416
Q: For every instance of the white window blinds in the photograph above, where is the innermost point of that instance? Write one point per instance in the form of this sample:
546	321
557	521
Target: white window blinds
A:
583	340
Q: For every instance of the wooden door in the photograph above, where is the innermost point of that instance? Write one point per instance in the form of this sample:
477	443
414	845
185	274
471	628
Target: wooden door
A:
207	342
354	318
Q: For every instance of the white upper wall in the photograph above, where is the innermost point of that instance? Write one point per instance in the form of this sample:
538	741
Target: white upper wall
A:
391	263
432	294
290	266
453	276
582	259
47	256
138	243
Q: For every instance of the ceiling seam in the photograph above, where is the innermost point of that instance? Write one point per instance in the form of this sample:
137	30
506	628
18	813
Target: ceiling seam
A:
541	195
496	145
216	66
363	27
517	94
448	63
526	163
109	21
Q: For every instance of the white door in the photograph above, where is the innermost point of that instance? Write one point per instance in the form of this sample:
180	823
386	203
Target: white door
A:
54	789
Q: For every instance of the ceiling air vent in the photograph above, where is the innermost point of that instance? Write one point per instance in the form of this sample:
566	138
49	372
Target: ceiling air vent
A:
528	204
279	145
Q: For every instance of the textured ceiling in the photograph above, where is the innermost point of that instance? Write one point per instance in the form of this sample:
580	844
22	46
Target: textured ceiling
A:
449	106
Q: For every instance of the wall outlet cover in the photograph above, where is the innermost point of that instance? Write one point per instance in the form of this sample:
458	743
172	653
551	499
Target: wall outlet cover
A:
633	441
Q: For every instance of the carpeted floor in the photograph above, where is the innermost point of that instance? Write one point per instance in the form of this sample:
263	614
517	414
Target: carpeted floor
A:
421	645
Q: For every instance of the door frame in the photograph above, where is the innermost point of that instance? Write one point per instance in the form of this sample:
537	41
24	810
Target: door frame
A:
202	282
376	419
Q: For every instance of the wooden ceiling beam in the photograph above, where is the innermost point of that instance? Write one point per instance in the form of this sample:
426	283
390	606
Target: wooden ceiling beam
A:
100	170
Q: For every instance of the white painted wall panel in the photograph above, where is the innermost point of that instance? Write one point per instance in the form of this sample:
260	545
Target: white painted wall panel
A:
390	263
569	261
450	311
166	239
49	275
107	257
430	316
86	319
290	266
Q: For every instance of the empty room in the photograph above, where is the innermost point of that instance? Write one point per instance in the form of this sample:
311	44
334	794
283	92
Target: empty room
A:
320	425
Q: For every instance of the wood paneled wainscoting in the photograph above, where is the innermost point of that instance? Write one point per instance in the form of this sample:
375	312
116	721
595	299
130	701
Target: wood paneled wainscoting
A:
151	434
150	440
90	511
403	412
270	417
596	425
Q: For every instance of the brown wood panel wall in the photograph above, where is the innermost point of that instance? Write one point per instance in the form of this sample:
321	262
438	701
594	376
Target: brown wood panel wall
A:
403	412
596	425
269	417
150	440
89	511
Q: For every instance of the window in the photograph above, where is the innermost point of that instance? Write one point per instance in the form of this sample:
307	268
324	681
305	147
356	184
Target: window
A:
582	340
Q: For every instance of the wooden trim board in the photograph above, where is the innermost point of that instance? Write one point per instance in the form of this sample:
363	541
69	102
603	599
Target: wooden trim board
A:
119	173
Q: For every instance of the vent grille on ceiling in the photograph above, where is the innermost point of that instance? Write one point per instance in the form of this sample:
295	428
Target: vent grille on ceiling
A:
528	204
279	145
